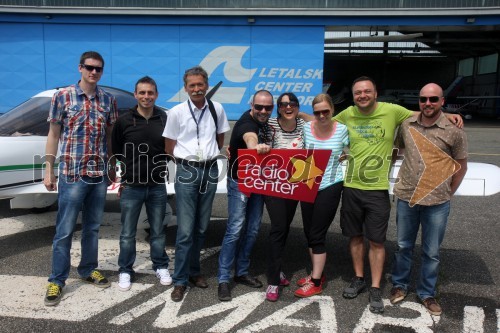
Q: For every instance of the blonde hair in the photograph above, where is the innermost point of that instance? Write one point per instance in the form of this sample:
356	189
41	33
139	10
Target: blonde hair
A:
323	98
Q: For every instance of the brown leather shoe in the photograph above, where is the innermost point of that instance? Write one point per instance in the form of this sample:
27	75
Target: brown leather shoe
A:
199	281
178	293
397	295
432	306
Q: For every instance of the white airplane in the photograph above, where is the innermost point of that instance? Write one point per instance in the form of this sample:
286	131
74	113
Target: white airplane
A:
22	143
23	135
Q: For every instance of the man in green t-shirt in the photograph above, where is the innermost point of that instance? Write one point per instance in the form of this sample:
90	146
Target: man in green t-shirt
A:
365	201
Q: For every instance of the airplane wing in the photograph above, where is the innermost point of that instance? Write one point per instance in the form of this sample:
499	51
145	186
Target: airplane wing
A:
481	179
20	175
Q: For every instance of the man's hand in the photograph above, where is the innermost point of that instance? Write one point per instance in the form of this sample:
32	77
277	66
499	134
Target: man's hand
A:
455	119
305	116
50	181
111	175
120	189
262	148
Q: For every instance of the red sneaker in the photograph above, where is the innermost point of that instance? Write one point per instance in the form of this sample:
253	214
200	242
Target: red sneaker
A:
308	290
307	279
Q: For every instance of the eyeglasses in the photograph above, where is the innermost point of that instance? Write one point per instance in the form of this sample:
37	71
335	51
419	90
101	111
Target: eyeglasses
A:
91	68
432	99
284	105
321	112
259	107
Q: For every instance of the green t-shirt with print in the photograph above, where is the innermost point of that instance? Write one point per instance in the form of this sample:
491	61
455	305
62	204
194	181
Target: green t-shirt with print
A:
371	140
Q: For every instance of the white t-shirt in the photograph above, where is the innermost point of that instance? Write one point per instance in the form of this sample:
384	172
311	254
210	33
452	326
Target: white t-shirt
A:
181	127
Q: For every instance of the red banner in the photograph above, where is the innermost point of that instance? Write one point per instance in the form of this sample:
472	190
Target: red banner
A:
286	173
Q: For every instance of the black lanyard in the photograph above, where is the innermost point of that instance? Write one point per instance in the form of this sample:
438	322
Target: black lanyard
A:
197	122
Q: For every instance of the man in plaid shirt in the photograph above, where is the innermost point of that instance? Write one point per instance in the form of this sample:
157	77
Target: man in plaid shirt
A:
81	117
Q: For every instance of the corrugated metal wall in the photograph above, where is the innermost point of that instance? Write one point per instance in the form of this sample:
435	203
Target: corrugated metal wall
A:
258	3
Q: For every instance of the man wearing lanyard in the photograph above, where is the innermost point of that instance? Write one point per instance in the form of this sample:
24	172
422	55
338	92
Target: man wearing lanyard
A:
194	140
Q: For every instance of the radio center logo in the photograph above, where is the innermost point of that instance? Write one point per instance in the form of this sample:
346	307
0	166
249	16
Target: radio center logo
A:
306	171
286	173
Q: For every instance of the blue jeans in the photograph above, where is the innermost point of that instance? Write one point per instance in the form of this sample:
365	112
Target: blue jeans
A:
75	194
131	201
195	191
433	220
243	223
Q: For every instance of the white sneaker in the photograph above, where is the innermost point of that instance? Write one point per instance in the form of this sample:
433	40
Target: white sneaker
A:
164	275
124	282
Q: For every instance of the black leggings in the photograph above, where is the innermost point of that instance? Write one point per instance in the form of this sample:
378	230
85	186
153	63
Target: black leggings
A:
318	216
281	212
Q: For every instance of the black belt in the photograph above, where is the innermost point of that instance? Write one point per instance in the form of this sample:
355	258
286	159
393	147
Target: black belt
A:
197	164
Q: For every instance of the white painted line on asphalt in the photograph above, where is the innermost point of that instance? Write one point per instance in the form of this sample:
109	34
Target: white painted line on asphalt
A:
421	324
326	324
163	298
80	300
473	319
242	306
498	320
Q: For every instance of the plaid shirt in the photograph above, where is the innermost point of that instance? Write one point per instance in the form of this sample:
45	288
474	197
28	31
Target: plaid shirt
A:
83	136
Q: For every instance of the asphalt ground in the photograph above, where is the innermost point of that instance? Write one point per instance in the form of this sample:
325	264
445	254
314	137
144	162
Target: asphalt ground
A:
468	281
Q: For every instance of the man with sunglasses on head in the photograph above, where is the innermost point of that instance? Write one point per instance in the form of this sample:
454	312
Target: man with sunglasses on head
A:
244	213
81	117
431	210
194	134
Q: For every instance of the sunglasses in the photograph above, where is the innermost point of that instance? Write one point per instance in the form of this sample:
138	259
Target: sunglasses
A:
91	68
321	112
432	99
259	107
284	105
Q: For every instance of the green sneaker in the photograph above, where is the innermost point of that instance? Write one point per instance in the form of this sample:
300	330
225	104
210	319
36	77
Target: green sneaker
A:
53	295
97	279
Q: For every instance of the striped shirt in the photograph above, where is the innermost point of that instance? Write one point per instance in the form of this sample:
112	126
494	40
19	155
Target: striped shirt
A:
277	137
336	142
84	122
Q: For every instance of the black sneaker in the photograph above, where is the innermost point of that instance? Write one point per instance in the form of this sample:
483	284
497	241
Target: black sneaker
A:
224	292
248	280
356	287
53	295
376	303
97	279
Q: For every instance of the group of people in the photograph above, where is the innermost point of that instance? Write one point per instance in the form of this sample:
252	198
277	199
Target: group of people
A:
84	118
